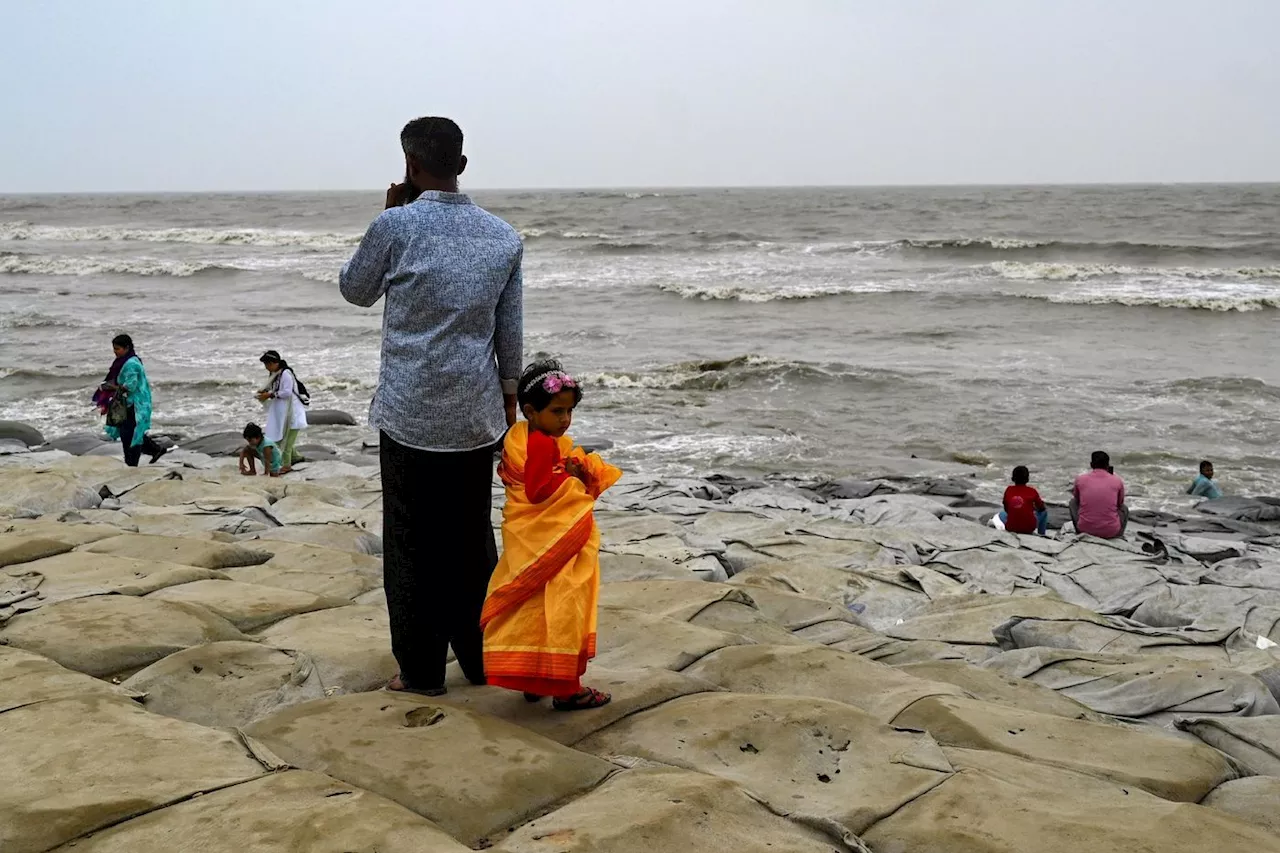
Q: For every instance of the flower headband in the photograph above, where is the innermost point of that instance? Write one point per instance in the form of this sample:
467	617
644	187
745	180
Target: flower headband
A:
553	381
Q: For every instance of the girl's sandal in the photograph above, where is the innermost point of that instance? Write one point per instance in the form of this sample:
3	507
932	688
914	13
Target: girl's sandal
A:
589	698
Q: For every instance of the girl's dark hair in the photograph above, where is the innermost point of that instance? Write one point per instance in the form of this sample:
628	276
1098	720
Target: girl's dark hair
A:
252	431
122	341
1021	476
530	391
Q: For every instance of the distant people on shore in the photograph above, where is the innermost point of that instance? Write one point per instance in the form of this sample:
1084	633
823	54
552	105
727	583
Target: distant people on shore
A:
1024	510
286	401
1097	500
259	448
539	617
452	350
124	397
1203	486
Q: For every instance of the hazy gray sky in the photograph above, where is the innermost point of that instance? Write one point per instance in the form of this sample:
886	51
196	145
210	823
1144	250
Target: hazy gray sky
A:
311	94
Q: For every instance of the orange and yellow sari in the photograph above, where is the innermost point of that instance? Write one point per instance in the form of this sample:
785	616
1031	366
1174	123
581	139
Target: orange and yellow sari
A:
539	618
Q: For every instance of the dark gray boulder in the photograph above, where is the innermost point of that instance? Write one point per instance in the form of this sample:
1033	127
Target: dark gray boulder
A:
217	444
27	434
330	417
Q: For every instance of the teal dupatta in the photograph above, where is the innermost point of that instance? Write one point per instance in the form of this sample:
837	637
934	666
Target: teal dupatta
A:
133	381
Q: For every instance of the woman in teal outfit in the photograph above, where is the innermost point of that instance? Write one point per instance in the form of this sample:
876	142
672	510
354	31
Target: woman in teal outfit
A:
127	377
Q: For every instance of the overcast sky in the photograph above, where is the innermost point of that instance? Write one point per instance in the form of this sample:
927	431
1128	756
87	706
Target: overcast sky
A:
105	95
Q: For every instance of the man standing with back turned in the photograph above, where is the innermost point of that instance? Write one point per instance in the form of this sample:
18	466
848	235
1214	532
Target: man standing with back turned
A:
451	355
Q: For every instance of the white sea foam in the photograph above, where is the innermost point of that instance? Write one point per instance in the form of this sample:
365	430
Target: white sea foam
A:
740	293
1197	301
20	230
80	266
1044	271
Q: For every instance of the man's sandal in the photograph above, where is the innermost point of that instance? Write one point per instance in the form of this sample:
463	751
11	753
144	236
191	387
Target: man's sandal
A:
589	698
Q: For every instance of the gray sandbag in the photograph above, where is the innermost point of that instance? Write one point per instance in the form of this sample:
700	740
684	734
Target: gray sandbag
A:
998	803
78	444
1251	800
226	685
350	646
188	552
1106	588
972	619
78	574
76	765
27	678
1139	686
1168	767
665	809
286	812
109	634
992	686
1240	509
1211	606
817	671
217	444
811	759
474	776
1114	634
28	435
248	606
992	570
1254	742
330	417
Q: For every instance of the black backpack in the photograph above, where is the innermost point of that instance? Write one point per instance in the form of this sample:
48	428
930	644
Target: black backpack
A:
304	396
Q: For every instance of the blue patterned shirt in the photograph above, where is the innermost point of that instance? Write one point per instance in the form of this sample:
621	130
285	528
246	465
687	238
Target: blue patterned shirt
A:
452	325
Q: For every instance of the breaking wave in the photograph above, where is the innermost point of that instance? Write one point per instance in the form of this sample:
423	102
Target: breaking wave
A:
719	375
206	236
1075	272
66	265
743	293
1161	299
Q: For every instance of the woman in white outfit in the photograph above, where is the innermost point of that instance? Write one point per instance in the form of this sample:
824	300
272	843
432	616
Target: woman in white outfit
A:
284	398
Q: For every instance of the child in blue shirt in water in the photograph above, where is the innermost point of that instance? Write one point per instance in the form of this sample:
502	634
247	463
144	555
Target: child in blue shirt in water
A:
259	447
1203	486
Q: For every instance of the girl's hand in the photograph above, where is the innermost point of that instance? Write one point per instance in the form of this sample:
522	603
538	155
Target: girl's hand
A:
574	468
263	396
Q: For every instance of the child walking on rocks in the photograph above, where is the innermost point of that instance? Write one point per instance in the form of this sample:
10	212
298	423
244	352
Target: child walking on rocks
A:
539	618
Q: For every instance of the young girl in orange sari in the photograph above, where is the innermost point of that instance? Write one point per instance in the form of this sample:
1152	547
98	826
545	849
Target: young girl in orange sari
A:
539	618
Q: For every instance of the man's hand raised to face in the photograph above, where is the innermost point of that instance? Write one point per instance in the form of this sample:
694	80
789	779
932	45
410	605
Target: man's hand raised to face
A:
397	195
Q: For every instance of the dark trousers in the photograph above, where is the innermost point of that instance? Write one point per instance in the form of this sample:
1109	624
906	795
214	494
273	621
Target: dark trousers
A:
133	454
438	552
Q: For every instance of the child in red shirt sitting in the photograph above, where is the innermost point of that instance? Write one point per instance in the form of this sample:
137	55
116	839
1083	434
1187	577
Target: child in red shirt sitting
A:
1024	511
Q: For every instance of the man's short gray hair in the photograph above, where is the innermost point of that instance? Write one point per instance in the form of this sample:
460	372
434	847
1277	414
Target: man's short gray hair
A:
435	144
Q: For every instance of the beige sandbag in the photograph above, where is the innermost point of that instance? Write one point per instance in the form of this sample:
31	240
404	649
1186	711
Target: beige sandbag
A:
27	678
872	645
803	757
248	606
75	765
970	620
1169	767
675	599
795	612
106	635
66	532
629	567
631	692
744	620
473	775
46	491
82	573
189	552
827	583
302	510
173	493
630	639
991	686
287	812
315	569
344	537
997	803
824	673
350	646
226	685
1255	800
20	548
651	810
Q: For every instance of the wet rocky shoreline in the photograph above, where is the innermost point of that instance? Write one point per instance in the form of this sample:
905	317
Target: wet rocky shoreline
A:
797	664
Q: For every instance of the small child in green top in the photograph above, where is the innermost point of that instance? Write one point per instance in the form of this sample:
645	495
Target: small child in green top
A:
259	447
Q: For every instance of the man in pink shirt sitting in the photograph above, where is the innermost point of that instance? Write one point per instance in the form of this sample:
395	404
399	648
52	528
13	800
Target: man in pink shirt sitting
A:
1097	502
